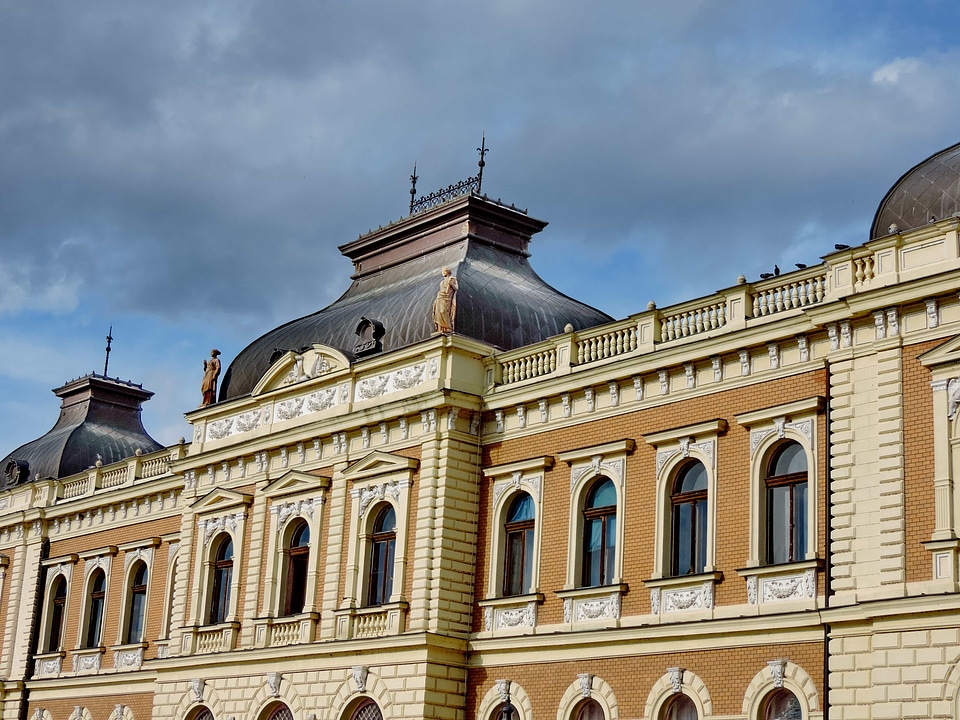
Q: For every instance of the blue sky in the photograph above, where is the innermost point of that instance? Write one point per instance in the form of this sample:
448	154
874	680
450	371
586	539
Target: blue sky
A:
186	171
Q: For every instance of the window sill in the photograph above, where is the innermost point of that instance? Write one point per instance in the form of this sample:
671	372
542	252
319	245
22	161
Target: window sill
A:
87	661
684	594
48	665
128	656
782	583
287	630
593	606
517	613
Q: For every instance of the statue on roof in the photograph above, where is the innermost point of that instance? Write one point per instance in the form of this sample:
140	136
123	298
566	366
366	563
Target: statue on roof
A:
445	306
211	371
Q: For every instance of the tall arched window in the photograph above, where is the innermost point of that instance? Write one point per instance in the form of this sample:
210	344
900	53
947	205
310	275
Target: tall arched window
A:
57	609
382	547
202	714
298	554
599	534
786	484
689	501
680	707
781	705
222	577
518	546
95	600
280	712
137	607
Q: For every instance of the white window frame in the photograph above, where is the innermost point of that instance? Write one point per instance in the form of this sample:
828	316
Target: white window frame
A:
132	554
375	479
92	561
56	567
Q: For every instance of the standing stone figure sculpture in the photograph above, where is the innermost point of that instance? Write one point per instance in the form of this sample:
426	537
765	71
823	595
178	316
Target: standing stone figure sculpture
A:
211	371
445	306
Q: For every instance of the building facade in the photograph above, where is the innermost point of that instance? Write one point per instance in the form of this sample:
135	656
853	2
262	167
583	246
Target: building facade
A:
741	506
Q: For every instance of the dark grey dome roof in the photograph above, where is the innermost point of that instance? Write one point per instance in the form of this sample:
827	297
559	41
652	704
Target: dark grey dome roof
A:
927	192
501	301
99	419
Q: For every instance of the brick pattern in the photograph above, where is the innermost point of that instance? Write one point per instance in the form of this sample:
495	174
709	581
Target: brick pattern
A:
101	707
918	472
733	478
727	674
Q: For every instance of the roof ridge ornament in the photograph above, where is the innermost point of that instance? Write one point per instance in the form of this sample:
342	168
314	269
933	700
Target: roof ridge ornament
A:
473	184
106	360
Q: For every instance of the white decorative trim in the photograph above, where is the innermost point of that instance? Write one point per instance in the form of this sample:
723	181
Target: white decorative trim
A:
371	493
664	382
212	526
522	616
542	405
402	379
586	682
614	393
565	402
300	508
359	673
588	394
124	659
521	416
880	324
893	322
273	682
638	388
846	334
773	352
803	347
777	668
933	313
716	362
834	336
503	690
140	553
689	370
676	678
196	687
744	362
497	416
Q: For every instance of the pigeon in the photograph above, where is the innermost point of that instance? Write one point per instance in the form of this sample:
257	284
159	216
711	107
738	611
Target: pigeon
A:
840	246
766	276
801	266
776	269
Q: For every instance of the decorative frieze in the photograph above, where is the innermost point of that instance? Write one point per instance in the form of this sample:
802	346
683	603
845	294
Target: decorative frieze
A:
130	659
210	527
744	356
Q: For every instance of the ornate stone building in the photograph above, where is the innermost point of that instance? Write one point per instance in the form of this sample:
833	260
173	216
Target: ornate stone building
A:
741	506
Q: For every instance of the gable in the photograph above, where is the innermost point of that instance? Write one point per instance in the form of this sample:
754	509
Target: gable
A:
293	368
379	463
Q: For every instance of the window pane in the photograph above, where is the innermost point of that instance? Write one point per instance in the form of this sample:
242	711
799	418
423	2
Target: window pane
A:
386	520
301	536
603	494
681	708
590	710
789	459
56	614
799	521
137	607
782	705
514	560
521	509
692	478
778	524
526	585
700	537
682	539
610	549
592	536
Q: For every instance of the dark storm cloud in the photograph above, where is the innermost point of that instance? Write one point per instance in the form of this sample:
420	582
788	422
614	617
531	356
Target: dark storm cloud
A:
205	159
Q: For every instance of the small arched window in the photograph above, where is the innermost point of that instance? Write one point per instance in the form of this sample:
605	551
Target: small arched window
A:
367	711
680	707
786	486
298	555
137	607
518	546
781	705
589	710
202	714
97	596
599	534
281	712
689	500
57	609
222	578
382	547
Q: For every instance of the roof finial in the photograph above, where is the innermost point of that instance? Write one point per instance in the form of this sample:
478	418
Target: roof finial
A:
483	150
413	186
106	360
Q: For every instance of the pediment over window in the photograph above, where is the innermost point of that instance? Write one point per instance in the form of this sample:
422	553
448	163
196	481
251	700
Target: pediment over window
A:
294	481
946	354
219	498
293	367
379	463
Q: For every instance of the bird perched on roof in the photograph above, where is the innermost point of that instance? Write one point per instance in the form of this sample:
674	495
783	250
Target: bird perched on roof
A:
800	266
776	269
841	246
766	276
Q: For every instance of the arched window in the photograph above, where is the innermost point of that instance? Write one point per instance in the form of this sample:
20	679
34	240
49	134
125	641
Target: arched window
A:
98	592
689	500
781	705
202	714
298	555
280	712
367	711
599	534
680	707
57	609
589	710
518	546
382	547
222	577
137	607
786	499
